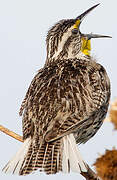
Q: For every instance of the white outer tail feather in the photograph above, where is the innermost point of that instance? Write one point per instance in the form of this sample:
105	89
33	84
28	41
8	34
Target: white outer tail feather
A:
14	165
71	156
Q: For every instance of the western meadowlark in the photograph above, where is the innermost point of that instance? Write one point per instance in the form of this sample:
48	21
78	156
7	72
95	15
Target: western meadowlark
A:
64	105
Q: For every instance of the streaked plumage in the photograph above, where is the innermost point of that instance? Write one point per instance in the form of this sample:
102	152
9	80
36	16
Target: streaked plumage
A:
64	105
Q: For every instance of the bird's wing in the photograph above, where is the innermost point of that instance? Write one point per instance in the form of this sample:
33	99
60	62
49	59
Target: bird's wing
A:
63	95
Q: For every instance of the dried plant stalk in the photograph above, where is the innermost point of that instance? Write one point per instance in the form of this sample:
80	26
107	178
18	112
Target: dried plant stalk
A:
113	113
11	133
90	174
106	165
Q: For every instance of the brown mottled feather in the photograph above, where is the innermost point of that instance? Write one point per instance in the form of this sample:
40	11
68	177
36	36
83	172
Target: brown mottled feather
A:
65	96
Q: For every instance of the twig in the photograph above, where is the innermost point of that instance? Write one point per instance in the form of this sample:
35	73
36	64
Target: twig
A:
89	175
11	133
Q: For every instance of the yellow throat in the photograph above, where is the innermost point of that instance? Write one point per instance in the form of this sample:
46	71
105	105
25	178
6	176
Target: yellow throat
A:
86	46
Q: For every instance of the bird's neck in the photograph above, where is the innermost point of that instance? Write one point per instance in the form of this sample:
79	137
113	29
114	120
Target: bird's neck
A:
68	55
67	48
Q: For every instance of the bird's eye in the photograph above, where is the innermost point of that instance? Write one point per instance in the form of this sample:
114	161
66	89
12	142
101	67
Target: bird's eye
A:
74	31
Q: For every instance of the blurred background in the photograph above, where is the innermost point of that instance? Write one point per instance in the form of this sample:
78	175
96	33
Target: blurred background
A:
23	28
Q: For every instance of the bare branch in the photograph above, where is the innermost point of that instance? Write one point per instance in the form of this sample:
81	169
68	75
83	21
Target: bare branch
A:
11	133
90	174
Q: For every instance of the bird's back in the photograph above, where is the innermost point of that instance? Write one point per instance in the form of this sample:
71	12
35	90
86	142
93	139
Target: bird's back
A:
66	95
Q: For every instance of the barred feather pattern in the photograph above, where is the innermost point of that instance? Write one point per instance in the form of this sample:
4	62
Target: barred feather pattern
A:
45	157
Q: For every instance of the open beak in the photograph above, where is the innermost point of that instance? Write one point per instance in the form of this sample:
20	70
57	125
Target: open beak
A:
91	35
83	15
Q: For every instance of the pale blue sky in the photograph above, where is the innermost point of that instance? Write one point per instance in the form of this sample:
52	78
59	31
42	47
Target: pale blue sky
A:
23	28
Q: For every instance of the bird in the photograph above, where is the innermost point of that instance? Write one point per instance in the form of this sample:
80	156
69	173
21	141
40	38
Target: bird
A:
65	104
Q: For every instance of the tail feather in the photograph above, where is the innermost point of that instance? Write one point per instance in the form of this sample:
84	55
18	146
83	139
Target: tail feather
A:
44	157
71	156
14	165
51	157
65	160
53	161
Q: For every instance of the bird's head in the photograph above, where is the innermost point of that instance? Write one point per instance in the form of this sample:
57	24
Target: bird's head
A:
64	39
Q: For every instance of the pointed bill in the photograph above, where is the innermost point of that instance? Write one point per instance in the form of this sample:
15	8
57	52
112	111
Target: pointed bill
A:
83	15
91	35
